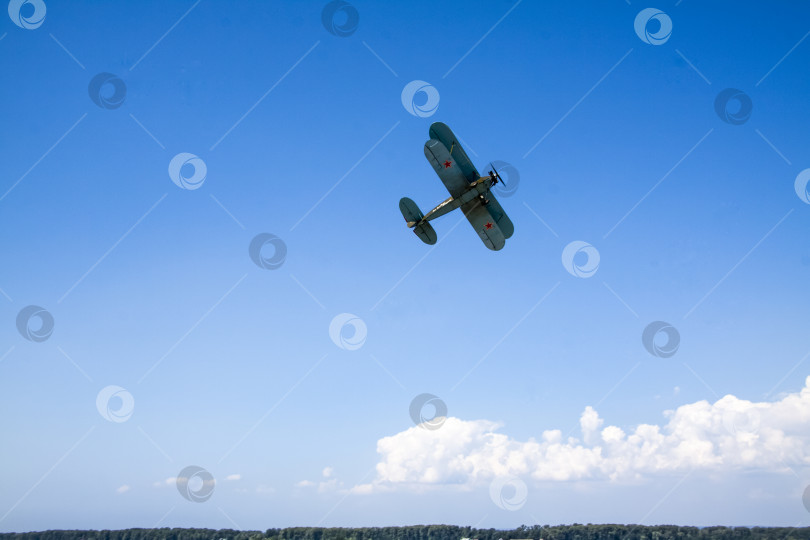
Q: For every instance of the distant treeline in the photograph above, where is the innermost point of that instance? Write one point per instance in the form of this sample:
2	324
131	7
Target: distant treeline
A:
438	532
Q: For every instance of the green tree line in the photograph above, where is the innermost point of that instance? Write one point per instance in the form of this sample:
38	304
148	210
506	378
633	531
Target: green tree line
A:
436	532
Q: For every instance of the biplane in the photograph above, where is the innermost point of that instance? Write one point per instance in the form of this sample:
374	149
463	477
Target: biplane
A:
469	191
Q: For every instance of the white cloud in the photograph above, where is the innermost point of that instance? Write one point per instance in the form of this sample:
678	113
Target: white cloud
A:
233	477
728	434
167	482
362	489
328	484
122	489
590	423
333	484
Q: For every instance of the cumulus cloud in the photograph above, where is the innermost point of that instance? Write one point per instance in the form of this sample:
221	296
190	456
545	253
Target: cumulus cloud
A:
122	489
328	484
590	423
728	434
233	477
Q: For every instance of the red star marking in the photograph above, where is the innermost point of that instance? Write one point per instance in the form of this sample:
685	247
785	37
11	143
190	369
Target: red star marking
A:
488	225
447	164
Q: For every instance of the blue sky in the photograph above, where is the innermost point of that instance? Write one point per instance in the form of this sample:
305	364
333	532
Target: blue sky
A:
230	366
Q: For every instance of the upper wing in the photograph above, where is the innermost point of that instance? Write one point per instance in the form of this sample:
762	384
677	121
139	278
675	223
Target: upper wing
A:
446	167
482	221
441	132
499	215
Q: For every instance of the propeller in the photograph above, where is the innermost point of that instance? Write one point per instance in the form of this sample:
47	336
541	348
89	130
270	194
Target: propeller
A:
505	189
494	174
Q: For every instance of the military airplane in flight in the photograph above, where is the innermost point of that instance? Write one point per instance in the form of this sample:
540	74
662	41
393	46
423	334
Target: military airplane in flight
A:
468	190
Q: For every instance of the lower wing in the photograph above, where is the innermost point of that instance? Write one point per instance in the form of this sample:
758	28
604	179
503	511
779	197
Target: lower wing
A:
500	217
485	224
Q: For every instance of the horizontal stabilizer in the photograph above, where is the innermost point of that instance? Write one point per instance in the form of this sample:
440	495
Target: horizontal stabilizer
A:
413	218
426	233
410	211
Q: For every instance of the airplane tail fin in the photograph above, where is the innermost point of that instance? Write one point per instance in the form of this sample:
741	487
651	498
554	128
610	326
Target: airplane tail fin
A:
413	219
